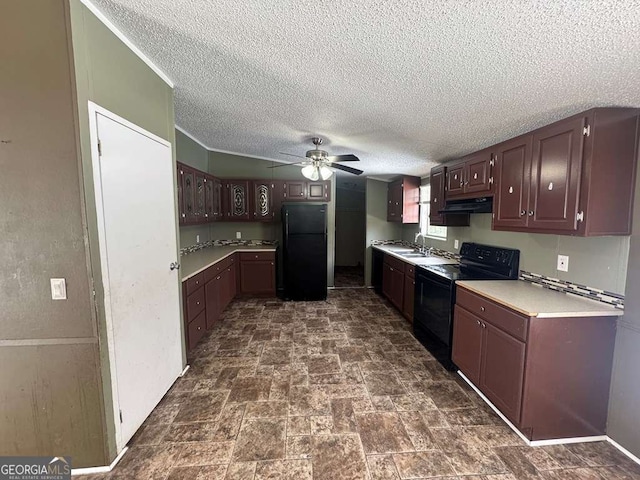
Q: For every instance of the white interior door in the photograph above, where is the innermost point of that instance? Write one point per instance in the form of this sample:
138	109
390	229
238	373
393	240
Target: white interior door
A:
133	175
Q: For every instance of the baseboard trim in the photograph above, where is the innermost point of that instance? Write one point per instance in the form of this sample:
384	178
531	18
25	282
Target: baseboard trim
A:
184	371
623	450
531	443
105	469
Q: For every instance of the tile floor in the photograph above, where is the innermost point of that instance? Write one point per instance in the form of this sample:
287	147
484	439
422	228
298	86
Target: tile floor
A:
335	390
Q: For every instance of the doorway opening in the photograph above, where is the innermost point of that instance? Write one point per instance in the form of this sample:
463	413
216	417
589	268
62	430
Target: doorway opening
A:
350	232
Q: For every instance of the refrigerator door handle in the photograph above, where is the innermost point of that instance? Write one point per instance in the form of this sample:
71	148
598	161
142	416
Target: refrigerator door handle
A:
286	224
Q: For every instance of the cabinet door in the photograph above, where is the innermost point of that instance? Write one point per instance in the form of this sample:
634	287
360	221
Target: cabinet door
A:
409	295
179	183
394	202
258	277
467	343
217	199
437	183
295	191
236	200
213	300
209	197
200	197
555	176
262	201
397	288
478	172
189	195
455	180
230	287
318	191
513	175
502	371
387	281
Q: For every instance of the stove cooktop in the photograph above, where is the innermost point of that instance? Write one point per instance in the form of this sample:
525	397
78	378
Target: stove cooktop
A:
457	272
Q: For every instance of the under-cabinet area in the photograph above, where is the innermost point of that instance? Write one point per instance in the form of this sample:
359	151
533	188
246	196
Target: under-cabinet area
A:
545	364
215	276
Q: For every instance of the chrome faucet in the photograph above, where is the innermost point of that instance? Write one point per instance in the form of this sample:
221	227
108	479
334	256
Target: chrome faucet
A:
424	250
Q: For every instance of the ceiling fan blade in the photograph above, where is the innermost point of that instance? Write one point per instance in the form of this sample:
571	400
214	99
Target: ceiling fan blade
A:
344	168
287	164
291	155
343	158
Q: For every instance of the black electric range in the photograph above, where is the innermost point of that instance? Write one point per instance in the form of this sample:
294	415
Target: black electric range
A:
435	294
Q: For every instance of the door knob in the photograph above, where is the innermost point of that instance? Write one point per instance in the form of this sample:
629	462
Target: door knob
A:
174	266
523	213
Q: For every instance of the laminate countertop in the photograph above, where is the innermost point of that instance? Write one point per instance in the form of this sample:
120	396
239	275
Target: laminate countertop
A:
396	251
535	301
198	261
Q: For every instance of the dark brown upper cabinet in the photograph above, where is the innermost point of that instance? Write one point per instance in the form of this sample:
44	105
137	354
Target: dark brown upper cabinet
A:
209	198
189	195
575	176
301	191
437	181
318	191
235	200
471	176
403	197
262	200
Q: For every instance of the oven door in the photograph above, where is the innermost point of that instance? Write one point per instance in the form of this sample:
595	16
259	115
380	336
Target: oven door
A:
434	297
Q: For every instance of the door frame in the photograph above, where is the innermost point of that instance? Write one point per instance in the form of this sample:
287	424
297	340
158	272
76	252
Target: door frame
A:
94	110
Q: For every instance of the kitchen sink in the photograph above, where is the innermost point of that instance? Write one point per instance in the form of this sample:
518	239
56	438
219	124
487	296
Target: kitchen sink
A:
412	254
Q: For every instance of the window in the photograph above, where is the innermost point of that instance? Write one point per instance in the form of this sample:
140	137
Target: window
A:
425	228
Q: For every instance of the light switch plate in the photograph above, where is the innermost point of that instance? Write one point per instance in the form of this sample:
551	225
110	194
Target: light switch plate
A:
456	244
563	263
238	235
197	238
58	289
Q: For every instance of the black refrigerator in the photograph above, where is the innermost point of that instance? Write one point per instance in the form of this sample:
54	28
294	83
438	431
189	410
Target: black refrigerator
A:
304	252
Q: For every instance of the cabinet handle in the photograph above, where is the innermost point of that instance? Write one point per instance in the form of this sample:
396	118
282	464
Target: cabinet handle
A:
523	213
475	176
484	325
391	269
197	282
435	200
218	277
197	303
478	322
531	213
482	309
256	256
466	183
199	328
301	194
271	263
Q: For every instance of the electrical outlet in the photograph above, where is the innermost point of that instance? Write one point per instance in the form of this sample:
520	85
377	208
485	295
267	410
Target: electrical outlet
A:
238	235
456	244
197	238
58	289
563	263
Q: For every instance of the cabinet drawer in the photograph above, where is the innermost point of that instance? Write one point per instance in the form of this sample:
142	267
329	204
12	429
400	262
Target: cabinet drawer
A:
197	328
256	256
195	304
195	282
410	270
394	263
214	270
503	318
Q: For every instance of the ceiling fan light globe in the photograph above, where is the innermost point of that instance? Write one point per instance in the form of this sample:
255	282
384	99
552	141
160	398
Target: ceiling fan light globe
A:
311	172
325	172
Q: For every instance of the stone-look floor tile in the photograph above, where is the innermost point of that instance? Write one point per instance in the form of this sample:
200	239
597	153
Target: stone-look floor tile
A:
492	436
383	433
323	364
201	407
517	463
298	426
308	401
163	413
151	434
261	439
423	464
418	430
434	418
353	354
229	423
226	377
202	453
241	471
250	389
447	395
279	388
560	457
344	419
467	460
597	454
379	383
299	446
275	356
618	473
284	470
413	402
382	467
207	472
472	416
273	408
321	424
383	404
338	457
145	463
572	474
191	432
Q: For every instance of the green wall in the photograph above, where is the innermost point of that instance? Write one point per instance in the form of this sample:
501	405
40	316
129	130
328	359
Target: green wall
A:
109	74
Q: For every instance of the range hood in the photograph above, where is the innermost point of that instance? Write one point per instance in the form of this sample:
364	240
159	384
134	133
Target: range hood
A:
471	205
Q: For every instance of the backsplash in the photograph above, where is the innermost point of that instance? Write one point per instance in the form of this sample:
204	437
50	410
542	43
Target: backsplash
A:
591	293
224	243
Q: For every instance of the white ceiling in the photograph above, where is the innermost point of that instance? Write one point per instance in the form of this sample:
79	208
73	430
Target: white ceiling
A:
403	84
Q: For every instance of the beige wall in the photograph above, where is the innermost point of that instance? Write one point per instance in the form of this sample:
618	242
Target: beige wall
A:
50	388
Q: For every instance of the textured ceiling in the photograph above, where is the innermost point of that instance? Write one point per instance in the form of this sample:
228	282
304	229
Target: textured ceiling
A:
403	84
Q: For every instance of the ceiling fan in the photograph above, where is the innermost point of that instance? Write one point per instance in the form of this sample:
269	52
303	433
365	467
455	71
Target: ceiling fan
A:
318	163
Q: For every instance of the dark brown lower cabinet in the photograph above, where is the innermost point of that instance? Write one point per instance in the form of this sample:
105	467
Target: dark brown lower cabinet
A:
409	292
549	376
398	284
257	273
